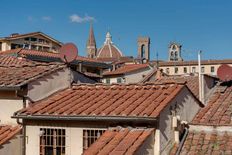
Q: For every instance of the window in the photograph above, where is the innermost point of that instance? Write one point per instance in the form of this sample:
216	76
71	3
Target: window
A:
176	70
143	51
33	39
119	80
90	136
26	46
52	141
194	69
202	69
167	70
0	46
14	46
176	56
185	69
27	39
212	69
108	80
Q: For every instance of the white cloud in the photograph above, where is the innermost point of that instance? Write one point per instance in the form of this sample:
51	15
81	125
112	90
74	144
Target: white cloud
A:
78	19
46	18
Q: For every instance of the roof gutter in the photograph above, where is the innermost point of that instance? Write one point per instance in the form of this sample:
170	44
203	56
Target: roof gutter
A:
89	118
10	88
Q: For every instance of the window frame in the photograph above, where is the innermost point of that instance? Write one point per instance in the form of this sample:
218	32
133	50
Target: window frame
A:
107	80
176	70
212	69
52	139
119	80
88	138
185	70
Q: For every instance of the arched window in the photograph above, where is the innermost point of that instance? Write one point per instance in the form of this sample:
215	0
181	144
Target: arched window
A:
173	47
143	51
176	55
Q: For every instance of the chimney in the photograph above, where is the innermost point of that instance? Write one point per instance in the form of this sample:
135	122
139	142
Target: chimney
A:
14	34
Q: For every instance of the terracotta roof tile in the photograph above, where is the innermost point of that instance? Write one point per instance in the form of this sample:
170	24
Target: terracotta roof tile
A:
191	82
187	63
126	69
28	52
7	132
18	71
202	142
218	109
146	100
119	142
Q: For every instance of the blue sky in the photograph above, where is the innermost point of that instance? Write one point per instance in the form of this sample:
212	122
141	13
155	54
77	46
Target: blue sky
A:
197	24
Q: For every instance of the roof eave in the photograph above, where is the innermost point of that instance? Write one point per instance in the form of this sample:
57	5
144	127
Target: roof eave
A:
89	118
10	88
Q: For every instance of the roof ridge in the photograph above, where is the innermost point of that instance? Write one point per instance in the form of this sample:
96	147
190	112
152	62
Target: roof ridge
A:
128	84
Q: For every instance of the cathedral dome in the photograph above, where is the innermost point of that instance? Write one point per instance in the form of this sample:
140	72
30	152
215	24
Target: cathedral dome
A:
109	50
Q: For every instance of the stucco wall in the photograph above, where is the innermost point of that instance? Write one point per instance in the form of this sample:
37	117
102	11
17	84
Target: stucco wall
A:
207	69
12	147
80	78
186	108
137	76
49	84
74	139
132	77
148	146
7	108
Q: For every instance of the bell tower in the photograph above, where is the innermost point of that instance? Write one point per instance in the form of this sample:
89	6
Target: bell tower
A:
174	51
144	48
91	47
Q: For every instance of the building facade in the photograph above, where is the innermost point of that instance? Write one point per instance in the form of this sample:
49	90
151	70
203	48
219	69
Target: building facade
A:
34	41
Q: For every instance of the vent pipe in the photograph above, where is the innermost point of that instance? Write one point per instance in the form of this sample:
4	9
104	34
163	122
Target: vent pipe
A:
201	93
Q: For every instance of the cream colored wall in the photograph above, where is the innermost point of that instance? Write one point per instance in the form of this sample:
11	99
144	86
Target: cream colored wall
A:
132	77
7	109
5	46
49	84
189	69
13	146
147	147
112	79
32	140
74	139
137	76
186	108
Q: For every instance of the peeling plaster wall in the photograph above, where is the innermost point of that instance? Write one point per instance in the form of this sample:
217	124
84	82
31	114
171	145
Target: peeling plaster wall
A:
13	146
47	85
186	107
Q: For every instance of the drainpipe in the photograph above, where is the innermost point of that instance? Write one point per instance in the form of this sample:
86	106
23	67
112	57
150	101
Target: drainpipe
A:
182	141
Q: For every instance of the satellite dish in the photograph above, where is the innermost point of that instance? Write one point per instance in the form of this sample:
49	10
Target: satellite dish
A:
68	52
224	72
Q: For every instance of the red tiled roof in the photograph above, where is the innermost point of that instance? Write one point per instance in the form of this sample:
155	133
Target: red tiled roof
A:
218	109
7	132
10	61
119	142
126	69
18	71
207	143
191	82
132	100
109	51
43	54
156	73
187	63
